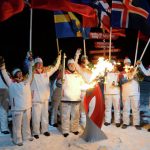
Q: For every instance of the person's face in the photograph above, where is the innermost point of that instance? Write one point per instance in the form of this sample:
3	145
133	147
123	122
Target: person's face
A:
127	64
84	61
39	65
19	76
115	69
71	66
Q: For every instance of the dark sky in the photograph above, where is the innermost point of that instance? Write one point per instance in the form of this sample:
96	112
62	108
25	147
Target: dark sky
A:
14	40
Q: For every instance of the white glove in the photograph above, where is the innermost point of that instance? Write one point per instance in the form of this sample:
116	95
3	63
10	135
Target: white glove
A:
78	52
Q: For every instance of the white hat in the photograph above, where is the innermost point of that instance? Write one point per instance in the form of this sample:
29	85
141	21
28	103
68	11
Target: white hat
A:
15	71
38	60
127	60
70	61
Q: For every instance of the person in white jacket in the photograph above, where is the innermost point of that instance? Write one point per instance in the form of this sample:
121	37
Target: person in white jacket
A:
20	100
130	95
71	98
146	72
85	72
112	97
4	104
142	68
40	89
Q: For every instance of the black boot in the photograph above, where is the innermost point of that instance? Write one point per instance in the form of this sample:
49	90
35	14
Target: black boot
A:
65	134
106	124
138	127
124	126
46	133
76	133
36	136
118	125
55	125
5	132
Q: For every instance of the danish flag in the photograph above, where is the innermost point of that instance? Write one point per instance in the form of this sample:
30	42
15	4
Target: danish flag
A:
94	105
125	7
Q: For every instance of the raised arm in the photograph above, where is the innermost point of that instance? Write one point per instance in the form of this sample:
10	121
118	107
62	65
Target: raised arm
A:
142	68
5	75
29	78
77	54
55	68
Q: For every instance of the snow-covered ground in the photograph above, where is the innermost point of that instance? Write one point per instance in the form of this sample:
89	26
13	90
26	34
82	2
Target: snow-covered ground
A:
117	139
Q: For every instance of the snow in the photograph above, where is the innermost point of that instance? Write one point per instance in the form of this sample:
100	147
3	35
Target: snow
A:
117	139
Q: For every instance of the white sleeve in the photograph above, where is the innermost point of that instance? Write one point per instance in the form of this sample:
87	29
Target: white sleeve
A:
146	72
79	70
6	77
29	79
55	68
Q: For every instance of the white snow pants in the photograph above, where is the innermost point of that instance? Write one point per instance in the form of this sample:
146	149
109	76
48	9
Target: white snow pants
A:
21	125
112	99
4	104
40	117
56	98
131	102
82	111
70	109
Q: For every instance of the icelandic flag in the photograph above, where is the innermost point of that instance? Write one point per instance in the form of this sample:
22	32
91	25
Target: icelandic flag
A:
94	105
131	14
66	25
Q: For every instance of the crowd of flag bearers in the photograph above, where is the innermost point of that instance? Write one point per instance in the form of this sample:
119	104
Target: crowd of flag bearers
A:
28	97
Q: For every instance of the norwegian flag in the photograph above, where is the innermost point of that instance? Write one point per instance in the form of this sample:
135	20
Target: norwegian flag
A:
104	13
130	14
94	105
103	10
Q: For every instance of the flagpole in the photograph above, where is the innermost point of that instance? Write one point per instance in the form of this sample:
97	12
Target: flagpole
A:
30	39
84	44
145	49
57	42
137	46
142	55
110	43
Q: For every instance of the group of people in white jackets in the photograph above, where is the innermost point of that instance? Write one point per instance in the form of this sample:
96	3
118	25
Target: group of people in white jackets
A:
28	97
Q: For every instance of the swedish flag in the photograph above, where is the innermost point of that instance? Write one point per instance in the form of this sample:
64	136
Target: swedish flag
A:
67	25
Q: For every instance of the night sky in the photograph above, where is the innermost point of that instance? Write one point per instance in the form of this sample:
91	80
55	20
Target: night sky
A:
14	40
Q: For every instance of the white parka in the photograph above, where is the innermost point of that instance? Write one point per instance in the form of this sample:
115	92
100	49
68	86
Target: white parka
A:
72	87
146	72
131	87
2	84
40	85
19	92
109	88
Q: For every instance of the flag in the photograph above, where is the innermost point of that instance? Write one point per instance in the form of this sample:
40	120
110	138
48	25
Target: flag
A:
143	37
9	8
104	14
103	10
94	105
66	25
65	5
131	14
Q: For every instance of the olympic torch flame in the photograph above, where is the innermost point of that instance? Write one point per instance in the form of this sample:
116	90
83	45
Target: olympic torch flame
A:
101	68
